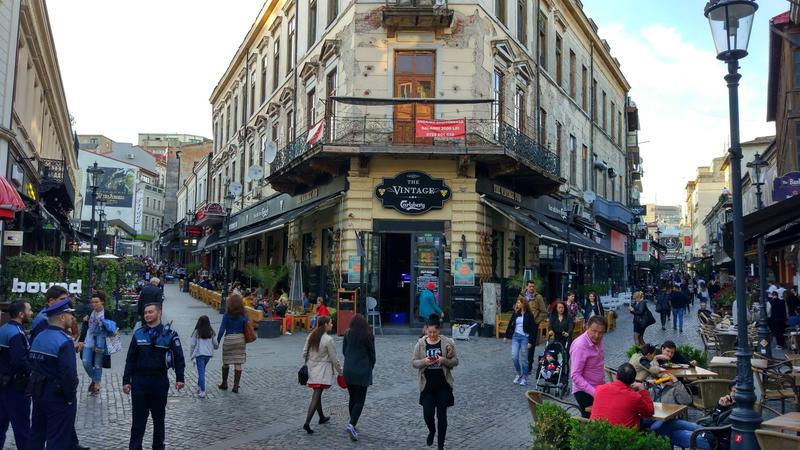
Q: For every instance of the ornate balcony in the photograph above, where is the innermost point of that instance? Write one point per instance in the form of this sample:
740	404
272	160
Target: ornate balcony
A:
417	14
56	187
366	128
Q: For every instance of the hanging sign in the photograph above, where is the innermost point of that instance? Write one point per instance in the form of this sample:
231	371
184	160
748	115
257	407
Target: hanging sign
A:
786	186
354	269
464	272
413	193
441	128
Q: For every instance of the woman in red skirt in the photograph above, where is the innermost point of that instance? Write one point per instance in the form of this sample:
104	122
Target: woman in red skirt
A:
323	366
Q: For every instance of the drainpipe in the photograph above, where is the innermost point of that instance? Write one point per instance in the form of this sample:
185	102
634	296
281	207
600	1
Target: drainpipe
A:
294	67
538	73
592	115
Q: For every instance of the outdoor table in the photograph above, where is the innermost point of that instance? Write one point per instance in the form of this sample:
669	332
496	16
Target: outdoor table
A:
726	339
758	363
667	411
696	372
302	319
787	422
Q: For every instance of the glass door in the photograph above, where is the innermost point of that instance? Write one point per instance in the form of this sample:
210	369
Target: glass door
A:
427	260
372	262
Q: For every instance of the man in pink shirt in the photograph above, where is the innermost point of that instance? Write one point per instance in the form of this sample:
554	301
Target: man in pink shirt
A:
587	362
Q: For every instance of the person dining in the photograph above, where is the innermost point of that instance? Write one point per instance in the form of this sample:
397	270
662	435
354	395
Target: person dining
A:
669	354
645	362
560	325
627	403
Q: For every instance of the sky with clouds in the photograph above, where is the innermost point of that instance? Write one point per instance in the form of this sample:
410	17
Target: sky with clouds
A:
150	65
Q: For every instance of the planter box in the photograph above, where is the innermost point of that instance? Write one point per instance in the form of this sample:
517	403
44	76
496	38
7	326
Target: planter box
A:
269	329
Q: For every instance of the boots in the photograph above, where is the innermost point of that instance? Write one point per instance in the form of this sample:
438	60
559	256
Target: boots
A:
237	375
224	385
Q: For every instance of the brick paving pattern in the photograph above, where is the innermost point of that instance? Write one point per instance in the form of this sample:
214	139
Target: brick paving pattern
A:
490	411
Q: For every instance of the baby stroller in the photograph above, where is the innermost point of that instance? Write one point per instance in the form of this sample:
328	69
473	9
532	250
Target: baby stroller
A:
552	372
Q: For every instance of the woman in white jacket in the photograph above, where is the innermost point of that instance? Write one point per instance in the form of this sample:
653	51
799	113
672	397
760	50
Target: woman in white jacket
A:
320	356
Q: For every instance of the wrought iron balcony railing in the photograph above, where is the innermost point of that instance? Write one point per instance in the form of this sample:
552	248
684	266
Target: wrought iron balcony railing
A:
54	173
416	3
385	131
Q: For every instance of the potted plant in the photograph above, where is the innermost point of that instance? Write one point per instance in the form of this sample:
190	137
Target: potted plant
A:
551	429
599	434
267	277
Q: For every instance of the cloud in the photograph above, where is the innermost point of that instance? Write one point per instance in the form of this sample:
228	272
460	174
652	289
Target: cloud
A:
683	105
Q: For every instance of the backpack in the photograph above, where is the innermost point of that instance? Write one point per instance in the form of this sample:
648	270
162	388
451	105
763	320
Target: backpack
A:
677	393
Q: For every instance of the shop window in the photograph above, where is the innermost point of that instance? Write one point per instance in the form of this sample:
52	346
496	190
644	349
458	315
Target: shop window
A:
498	259
518	254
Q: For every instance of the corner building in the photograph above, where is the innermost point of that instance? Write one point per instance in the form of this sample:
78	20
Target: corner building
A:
411	133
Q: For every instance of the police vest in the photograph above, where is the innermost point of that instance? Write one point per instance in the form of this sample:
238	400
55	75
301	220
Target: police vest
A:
163	341
8	332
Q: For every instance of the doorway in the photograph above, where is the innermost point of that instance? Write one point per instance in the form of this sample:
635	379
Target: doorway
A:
395	275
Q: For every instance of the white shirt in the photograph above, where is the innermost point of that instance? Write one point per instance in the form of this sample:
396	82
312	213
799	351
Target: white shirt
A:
518	326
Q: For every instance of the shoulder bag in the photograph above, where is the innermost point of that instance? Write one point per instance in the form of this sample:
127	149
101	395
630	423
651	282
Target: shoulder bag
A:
249	333
648	317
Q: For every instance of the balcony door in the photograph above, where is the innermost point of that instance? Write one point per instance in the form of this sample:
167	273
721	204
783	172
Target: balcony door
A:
413	78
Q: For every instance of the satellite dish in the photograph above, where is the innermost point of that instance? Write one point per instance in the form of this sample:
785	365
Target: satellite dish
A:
255	172
589	196
235	188
270	149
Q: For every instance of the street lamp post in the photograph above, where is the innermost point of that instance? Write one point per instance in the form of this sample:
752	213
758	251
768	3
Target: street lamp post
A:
101	229
731	22
188	241
757	166
228	200
92	182
569	200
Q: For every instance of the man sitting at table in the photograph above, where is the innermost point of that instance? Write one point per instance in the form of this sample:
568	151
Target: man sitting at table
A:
627	403
704	314
670	354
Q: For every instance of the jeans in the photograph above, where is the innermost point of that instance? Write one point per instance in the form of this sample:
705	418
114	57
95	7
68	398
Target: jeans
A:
358	395
93	350
201	362
677	318
519	349
678	431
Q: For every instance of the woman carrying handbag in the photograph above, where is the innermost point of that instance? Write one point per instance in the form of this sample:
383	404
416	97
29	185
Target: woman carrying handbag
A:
319	353
642	318
94	350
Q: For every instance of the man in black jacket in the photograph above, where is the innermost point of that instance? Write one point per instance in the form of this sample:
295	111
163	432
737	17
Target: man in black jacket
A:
151	293
679	301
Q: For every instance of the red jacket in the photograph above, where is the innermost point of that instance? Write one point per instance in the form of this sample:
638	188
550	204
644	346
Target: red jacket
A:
621	405
322	310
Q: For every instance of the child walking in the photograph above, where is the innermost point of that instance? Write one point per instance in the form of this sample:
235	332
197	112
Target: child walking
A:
203	346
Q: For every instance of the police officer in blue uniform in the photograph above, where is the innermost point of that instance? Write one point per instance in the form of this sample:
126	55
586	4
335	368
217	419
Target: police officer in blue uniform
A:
154	349
53	295
54	381
15	404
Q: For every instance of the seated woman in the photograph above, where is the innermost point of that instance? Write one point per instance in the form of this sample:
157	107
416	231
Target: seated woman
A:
644	363
282	311
319	310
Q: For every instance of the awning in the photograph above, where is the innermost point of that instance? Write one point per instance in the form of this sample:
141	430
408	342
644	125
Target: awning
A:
781	239
576	238
765	221
282	220
10	201
207	241
522	217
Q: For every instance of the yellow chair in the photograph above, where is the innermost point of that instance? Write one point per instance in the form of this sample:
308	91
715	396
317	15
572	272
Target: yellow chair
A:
501	323
254	315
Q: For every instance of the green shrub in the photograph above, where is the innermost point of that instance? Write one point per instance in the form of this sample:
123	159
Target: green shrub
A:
631	351
32	268
551	429
691	353
600	435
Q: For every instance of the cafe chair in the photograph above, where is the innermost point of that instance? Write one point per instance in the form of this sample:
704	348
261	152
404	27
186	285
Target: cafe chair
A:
711	390
727	371
611	374
373	315
719	434
710	342
774	440
501	323
773	384
534	399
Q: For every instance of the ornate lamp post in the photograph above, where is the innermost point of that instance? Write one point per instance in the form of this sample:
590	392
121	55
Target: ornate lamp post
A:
228	203
568	214
731	22
101	228
757	172
92	182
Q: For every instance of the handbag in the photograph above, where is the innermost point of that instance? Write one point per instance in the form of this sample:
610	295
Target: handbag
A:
113	344
302	375
106	361
648	317
249	333
340	381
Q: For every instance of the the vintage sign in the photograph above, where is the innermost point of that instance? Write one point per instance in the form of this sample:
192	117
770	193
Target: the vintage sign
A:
441	128
464	272
413	193
36	287
786	186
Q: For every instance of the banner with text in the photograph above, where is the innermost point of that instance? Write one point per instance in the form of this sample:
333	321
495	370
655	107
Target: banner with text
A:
441	128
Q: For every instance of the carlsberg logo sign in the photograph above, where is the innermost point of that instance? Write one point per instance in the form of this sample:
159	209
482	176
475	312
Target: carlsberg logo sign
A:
33	287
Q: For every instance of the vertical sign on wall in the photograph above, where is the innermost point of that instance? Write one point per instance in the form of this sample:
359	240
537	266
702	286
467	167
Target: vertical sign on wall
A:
137	216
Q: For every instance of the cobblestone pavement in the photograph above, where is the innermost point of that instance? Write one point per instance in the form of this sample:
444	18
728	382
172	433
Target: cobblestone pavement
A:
490	411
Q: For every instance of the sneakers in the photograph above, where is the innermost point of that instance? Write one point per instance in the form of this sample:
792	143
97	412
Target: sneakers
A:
523	381
201	394
516	379
353	432
288	333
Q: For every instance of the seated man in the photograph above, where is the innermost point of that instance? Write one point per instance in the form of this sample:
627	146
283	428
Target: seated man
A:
670	354
206	283
627	403
704	314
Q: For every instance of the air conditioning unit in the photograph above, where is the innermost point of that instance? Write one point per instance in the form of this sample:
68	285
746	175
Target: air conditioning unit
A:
577	209
131	156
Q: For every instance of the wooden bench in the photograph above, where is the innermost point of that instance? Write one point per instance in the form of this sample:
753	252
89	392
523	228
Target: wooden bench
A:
501	323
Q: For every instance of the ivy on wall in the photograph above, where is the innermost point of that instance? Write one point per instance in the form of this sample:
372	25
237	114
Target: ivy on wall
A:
31	268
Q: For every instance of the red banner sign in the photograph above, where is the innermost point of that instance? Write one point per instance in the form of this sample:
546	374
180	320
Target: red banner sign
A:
441	128
193	231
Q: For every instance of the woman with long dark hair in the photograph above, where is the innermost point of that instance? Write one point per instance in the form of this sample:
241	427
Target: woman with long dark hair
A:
593	307
202	349
435	357
359	360
233	347
561	324
320	355
522	332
